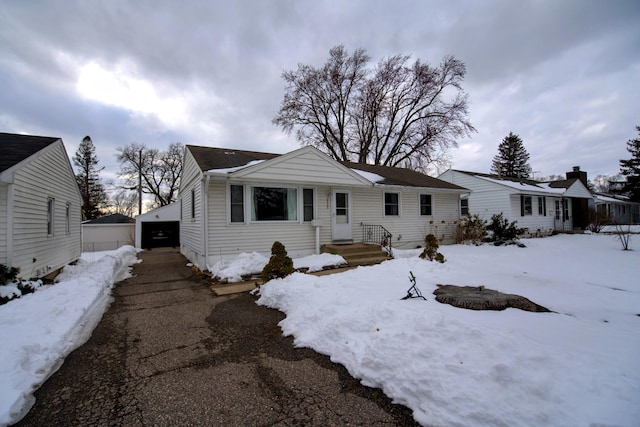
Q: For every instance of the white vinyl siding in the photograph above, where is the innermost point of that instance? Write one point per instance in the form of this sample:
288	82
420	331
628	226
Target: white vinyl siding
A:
47	176
191	228
300	167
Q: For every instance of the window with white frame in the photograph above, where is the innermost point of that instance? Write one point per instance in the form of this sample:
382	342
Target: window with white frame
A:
274	204
526	206
307	204
193	204
542	205
426	205
236	196
67	219
392	204
50	207
464	207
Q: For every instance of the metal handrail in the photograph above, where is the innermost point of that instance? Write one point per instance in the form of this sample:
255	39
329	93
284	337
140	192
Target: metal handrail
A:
374	233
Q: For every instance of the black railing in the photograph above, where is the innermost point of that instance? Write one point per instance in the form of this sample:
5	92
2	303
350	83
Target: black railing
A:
378	235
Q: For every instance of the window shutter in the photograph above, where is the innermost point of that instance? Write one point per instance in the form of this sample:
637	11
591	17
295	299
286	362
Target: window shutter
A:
521	205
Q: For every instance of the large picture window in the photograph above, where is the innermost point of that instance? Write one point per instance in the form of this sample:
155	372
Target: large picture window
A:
391	204
274	204
426	208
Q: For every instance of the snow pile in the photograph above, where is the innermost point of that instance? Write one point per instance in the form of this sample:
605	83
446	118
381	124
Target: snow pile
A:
253	263
455	367
39	330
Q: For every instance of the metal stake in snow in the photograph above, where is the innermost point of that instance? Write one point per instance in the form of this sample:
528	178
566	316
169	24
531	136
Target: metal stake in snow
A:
413	291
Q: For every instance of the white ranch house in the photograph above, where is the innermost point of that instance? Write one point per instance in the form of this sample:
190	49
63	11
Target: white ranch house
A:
39	205
541	207
234	201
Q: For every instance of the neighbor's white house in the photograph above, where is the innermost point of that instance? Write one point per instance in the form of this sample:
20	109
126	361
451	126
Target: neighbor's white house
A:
541	207
40	205
234	201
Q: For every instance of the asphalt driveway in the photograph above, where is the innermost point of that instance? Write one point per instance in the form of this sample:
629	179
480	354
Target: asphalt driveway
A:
168	352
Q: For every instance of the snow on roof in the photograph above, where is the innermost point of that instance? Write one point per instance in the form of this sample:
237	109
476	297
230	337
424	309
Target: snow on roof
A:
373	177
237	168
542	187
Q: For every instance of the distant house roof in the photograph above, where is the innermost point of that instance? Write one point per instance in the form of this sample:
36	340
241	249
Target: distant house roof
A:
112	219
402	176
209	158
15	148
563	183
524	184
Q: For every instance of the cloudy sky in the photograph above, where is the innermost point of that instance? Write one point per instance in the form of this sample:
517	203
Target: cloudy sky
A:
562	74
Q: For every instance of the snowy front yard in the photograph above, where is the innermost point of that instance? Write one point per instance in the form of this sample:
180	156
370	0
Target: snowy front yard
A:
578	366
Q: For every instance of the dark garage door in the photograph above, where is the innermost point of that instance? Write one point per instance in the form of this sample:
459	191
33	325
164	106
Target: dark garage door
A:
160	234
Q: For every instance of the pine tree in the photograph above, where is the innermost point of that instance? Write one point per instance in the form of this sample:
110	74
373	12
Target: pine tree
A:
631	169
512	160
93	195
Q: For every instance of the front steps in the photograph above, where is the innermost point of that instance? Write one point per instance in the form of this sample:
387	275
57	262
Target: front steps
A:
357	253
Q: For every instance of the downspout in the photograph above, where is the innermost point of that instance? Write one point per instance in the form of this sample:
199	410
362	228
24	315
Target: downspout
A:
205	219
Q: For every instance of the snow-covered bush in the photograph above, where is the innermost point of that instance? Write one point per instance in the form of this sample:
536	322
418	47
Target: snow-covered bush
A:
505	233
431	249
472	229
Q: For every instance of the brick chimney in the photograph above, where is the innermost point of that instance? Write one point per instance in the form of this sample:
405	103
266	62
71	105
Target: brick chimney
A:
577	173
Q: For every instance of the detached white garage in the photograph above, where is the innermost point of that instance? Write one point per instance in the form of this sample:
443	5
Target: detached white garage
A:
107	233
159	228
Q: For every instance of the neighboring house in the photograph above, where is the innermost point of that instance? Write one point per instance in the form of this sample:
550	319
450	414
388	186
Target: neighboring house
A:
617	208
159	227
541	207
39	205
108	232
234	201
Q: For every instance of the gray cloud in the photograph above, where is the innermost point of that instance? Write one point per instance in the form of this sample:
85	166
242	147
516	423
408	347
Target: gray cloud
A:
563	75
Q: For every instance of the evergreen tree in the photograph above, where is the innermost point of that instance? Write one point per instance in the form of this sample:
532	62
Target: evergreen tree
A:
631	169
93	195
512	160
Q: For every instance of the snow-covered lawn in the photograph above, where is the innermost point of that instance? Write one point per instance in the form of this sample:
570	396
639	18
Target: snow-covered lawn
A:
578	366
38	330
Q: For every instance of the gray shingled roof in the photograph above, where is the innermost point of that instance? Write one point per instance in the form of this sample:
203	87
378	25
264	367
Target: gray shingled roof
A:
112	219
402	176
14	148
502	178
221	158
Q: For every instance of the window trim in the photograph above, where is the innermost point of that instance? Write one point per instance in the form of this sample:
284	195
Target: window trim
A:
276	186
542	207
193	204
67	218
244	204
523	210
461	208
313	204
430	205
384	204
51	216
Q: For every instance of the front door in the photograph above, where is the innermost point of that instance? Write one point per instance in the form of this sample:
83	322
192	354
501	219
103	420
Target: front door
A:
341	216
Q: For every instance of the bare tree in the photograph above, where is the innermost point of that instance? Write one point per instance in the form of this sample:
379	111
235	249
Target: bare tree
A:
124	202
395	114
151	171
